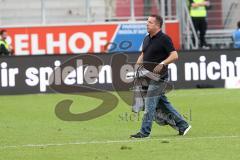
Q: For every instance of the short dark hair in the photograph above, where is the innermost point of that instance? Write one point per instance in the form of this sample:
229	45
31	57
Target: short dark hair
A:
159	19
2	31
238	24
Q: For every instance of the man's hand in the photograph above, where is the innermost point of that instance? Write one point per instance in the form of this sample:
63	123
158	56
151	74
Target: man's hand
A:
207	3
160	69
10	49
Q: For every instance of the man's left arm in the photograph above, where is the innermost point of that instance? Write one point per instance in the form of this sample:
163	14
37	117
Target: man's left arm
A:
173	56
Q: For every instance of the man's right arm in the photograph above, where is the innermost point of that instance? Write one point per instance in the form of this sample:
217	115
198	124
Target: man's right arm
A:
140	59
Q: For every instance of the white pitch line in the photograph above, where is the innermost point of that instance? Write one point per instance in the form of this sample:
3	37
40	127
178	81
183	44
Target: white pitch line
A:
112	141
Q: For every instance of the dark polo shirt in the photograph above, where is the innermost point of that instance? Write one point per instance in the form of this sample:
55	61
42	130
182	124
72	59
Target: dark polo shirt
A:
156	49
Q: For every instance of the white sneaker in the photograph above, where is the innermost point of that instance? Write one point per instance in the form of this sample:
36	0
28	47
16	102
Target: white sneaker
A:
185	131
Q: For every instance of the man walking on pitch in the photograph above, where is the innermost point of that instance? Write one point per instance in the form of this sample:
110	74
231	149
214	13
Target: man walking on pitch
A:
158	51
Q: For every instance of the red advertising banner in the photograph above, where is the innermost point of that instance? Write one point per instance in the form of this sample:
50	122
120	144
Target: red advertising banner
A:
76	39
173	30
60	40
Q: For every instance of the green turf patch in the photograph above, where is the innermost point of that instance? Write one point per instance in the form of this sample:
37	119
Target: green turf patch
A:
30	130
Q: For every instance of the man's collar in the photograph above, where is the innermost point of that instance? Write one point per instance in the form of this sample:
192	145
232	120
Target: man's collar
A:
159	33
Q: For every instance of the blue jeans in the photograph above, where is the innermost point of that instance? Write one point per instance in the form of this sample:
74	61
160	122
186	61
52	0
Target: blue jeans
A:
155	96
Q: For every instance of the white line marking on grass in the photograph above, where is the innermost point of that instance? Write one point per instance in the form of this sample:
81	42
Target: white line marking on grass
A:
209	93
113	141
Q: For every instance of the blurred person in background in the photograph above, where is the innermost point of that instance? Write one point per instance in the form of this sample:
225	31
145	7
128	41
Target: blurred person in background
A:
236	36
198	12
5	48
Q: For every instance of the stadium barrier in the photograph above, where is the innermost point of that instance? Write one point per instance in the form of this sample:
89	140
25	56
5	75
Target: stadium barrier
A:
87	72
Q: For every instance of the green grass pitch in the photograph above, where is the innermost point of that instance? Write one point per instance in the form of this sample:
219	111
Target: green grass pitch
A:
30	130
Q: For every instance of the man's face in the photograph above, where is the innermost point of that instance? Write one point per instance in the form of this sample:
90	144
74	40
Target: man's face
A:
4	35
152	25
